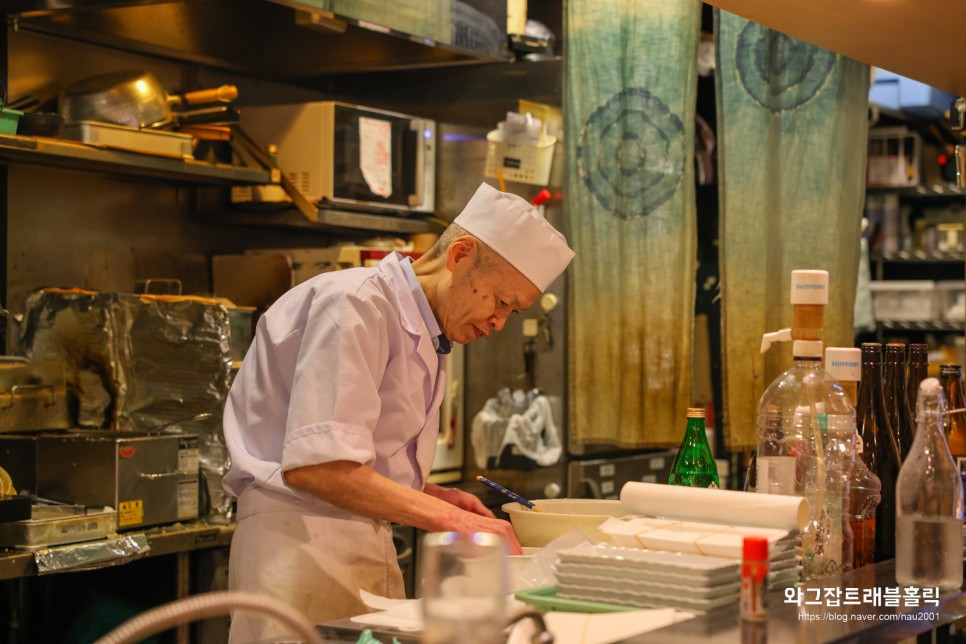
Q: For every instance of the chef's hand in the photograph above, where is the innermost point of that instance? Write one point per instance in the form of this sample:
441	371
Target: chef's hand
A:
459	498
476	516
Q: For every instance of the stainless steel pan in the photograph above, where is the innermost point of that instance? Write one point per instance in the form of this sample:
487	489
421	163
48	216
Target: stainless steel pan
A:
134	98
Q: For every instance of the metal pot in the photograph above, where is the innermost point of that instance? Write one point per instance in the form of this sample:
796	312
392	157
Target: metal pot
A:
134	98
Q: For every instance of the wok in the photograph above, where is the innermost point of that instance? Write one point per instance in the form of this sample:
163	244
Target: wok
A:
134	98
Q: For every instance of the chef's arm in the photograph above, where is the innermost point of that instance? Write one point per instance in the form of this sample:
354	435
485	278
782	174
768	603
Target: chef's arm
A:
361	490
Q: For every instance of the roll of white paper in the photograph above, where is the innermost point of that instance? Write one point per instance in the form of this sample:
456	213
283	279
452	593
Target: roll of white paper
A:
722	506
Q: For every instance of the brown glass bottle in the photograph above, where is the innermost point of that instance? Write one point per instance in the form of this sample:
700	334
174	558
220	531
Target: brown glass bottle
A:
951	379
917	370
880	450
896	396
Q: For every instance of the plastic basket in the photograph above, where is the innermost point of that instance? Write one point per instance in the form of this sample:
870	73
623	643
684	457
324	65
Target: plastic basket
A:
518	161
8	120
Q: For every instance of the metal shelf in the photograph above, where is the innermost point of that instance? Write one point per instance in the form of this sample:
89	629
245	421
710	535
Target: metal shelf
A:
929	326
286	40
327	221
79	156
920	256
935	191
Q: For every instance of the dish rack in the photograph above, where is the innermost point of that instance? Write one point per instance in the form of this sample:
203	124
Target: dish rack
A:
519	162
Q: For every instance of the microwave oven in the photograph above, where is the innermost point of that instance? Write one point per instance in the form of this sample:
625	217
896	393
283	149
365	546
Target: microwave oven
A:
347	156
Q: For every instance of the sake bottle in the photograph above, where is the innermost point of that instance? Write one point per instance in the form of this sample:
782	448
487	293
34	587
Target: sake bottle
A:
950	379
694	464
896	397
929	503
880	450
917	370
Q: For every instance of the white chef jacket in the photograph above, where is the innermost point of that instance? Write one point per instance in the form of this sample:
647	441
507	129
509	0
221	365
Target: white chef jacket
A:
342	367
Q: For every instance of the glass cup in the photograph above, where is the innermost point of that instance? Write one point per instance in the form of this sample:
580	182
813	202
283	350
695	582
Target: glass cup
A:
464	588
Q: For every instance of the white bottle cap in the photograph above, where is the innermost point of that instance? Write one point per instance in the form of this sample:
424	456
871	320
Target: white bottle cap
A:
809	287
807	348
844	363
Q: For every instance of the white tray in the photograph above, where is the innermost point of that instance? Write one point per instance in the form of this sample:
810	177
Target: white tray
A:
120	137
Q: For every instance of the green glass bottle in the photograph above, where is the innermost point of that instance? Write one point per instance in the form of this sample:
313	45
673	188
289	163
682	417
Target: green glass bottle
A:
694	465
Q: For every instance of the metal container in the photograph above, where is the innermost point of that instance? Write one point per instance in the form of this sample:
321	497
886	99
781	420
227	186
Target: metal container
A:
54	525
149	479
120	137
33	395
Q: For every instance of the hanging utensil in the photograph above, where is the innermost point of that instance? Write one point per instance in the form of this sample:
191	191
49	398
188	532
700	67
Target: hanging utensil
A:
134	98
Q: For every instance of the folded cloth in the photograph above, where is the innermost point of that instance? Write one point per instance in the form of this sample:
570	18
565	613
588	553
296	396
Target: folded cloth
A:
521	419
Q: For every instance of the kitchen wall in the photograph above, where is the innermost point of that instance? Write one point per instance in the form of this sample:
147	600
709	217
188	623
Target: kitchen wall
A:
105	232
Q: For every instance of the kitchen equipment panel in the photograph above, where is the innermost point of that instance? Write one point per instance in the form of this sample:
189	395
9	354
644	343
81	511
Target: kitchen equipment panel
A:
148	479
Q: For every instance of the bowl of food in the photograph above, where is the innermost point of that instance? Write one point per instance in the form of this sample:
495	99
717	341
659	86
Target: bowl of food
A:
551	518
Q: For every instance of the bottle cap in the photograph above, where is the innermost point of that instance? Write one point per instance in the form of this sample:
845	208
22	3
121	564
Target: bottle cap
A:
844	363
930	386
755	548
696	412
809	287
807	348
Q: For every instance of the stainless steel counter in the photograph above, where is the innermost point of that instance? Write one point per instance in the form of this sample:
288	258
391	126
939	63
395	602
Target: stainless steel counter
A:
163	540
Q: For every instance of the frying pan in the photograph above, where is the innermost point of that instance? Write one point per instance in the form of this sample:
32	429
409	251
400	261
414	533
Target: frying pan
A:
134	98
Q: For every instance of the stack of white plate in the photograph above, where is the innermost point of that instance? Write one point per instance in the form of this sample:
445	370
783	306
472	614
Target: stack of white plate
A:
647	578
656	579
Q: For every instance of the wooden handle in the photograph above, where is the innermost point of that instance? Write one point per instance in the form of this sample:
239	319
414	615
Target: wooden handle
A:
221	94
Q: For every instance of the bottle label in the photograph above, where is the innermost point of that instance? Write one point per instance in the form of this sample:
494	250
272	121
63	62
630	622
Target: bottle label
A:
961	464
752	599
776	475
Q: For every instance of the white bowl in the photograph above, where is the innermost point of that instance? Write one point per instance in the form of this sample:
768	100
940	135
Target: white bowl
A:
558	516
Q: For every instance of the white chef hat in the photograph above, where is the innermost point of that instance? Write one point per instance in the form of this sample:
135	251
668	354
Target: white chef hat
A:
516	230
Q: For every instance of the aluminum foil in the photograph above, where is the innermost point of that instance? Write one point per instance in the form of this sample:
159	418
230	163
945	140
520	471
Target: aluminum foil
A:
142	363
92	555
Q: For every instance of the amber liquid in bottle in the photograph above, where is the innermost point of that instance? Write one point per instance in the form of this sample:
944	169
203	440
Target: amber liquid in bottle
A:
951	379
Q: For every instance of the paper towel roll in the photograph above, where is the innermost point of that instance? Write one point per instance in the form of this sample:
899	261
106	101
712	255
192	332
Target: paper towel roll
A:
723	506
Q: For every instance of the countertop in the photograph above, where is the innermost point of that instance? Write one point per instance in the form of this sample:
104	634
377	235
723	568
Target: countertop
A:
818	620
815	620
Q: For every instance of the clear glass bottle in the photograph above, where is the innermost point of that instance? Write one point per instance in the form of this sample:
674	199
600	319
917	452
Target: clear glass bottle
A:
835	555
792	453
951	381
694	464
896	397
929	503
880	450
864	487
917	370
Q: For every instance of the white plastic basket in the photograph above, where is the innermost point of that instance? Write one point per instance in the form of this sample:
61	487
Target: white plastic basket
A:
518	161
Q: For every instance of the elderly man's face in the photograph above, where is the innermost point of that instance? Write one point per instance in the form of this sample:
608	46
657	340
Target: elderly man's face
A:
483	294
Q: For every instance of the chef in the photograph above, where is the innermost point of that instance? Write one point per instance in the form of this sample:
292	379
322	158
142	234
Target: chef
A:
332	419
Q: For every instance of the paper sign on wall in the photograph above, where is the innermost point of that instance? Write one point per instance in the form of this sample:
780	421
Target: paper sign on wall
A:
375	154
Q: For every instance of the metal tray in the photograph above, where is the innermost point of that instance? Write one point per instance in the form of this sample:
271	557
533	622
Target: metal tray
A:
53	525
121	137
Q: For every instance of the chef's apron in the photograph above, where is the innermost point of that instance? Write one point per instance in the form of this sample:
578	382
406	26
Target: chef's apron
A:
316	564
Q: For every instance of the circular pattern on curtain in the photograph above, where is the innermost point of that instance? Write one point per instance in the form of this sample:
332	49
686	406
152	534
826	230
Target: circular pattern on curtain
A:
630	153
779	72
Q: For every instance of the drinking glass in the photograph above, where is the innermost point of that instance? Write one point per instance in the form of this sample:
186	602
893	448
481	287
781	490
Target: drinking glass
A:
464	588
